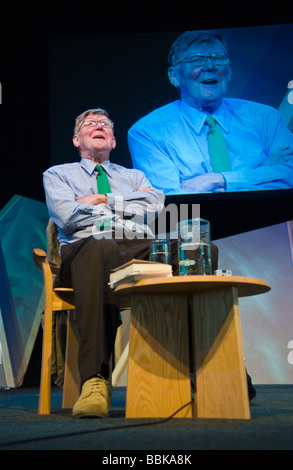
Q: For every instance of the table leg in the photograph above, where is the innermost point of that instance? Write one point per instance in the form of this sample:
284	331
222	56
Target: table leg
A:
221	385
158	368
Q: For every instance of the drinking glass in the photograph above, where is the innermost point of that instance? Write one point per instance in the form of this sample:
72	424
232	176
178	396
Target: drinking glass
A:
194	247
160	251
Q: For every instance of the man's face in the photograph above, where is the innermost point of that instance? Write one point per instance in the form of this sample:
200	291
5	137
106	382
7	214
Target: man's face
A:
201	86
92	139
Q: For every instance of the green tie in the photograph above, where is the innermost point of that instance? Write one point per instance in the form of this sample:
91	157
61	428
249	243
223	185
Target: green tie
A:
217	147
103	188
102	181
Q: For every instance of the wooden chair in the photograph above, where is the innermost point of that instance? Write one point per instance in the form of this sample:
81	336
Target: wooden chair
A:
57	299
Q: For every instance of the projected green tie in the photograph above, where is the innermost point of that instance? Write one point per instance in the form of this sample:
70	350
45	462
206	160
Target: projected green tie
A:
102	181
218	151
103	188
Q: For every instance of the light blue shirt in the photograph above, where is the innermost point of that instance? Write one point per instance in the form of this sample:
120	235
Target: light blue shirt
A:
170	146
129	209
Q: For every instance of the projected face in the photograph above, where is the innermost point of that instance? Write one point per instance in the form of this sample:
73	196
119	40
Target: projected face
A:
202	85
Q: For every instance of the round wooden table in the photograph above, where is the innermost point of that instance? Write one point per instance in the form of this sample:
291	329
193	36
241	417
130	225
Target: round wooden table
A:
161	343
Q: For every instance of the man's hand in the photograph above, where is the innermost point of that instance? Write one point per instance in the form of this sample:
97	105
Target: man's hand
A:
93	199
209	182
283	155
146	188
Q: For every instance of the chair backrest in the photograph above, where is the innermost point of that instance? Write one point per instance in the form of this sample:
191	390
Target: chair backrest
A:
53	246
53	250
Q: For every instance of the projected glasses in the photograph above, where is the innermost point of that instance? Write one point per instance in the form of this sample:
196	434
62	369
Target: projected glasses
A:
103	123
199	59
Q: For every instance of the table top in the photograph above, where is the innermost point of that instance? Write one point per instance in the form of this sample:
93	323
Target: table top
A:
187	284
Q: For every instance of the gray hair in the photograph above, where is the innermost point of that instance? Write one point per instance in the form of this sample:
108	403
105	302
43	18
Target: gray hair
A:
81	118
184	41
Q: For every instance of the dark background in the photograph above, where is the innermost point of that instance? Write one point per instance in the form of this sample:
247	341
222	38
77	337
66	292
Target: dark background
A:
28	30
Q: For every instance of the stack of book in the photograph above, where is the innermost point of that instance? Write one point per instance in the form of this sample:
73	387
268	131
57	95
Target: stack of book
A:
136	270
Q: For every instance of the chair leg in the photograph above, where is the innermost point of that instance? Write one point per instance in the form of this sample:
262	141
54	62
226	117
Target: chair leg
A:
45	386
121	348
121	366
110	388
71	387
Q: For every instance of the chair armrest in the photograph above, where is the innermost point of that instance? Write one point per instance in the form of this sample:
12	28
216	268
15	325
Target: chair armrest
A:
40	257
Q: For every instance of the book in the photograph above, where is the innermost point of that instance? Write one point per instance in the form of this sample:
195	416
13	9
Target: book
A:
137	269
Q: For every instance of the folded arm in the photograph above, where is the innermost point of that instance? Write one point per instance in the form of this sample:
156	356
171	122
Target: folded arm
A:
72	213
68	213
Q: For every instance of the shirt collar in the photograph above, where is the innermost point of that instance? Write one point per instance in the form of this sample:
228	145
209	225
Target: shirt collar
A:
193	115
197	118
89	166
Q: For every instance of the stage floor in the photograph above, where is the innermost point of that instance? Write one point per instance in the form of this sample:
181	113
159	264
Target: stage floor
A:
21	427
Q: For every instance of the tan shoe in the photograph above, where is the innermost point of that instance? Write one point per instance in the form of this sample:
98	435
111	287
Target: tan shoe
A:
93	400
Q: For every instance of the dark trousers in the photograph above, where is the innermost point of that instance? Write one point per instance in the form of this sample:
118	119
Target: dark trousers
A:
86	266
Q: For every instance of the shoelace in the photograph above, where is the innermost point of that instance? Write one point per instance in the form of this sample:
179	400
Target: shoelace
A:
97	383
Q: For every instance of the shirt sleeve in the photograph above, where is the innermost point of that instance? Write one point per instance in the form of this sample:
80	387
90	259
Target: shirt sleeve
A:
150	156
134	202
69	215
270	173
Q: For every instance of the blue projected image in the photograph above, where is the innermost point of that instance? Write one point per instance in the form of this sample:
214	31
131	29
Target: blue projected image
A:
248	146
157	126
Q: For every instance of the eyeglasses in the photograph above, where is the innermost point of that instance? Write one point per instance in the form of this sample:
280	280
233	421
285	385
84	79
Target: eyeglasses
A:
198	60
103	123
